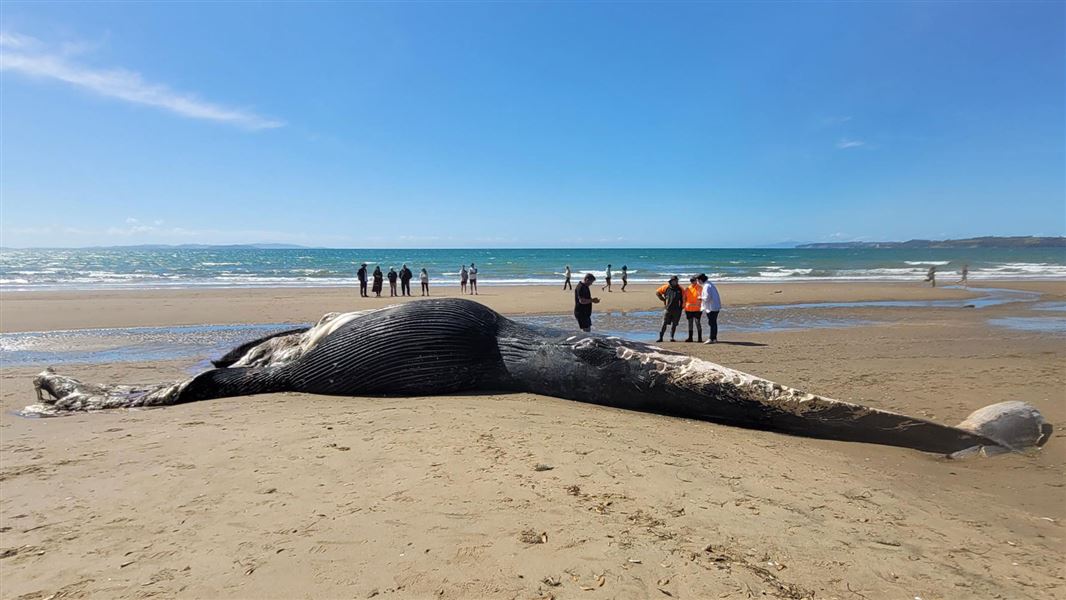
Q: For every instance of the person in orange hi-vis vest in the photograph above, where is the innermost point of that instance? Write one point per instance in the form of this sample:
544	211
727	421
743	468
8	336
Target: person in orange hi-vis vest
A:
692	308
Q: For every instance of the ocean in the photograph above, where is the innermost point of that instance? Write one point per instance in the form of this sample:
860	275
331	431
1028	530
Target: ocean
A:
59	269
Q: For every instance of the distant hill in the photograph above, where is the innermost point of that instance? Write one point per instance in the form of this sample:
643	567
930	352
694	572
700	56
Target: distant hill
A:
977	242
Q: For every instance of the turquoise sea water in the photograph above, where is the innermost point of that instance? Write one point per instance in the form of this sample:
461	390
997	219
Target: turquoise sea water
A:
40	269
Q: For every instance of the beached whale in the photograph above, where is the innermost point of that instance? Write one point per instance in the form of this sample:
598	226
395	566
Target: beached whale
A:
443	346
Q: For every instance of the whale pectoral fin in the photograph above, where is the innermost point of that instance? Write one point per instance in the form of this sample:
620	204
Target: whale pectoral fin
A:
227	383
237	353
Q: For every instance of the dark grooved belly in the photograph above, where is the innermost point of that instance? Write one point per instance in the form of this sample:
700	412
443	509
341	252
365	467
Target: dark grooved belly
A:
428	347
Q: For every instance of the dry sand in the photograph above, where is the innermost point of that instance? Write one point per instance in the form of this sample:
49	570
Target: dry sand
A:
300	496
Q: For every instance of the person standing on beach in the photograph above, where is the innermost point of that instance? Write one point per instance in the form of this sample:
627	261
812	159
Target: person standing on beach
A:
673	299
711	304
931	275
473	279
462	278
378	277
405	281
625	277
392	281
583	302
424	276
693	295
607	280
965	274
566	284
361	274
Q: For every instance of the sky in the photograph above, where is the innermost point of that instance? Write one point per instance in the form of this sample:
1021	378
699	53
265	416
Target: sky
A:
461	125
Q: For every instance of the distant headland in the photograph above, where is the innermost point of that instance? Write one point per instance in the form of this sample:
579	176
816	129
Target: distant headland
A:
1027	241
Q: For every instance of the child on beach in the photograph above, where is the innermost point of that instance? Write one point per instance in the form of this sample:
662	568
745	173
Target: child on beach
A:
424	276
693	294
607	280
625	277
931	275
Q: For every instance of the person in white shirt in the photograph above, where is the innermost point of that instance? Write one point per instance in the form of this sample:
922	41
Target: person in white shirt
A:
425	282
710	303
567	284
473	279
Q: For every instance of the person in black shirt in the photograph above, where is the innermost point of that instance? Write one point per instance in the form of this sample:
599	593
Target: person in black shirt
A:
405	281
673	298
392	281
361	274
583	302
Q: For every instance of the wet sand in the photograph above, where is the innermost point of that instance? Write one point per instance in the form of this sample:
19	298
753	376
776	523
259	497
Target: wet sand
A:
45	311
294	495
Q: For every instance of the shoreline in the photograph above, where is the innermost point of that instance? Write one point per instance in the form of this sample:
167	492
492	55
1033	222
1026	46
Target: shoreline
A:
50	311
346	284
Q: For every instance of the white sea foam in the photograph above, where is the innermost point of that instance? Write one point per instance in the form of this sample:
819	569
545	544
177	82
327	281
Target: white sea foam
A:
927	262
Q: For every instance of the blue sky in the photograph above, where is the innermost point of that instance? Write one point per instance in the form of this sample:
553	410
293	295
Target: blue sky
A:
529	124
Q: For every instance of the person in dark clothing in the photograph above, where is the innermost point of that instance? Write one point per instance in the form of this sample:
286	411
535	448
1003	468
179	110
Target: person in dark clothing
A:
378	277
583	302
361	274
392	281
931	275
625	277
405	281
673	298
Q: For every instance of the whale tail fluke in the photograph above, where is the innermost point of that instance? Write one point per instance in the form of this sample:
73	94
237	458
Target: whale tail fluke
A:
1014	426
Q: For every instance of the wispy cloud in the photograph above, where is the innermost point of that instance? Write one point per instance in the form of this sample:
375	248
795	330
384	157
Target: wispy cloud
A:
846	143
28	56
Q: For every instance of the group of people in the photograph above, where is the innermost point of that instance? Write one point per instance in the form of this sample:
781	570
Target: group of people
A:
607	283
467	280
468	276
404	276
699	298
930	275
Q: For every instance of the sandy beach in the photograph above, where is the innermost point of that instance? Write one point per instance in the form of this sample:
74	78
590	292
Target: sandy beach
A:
300	496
